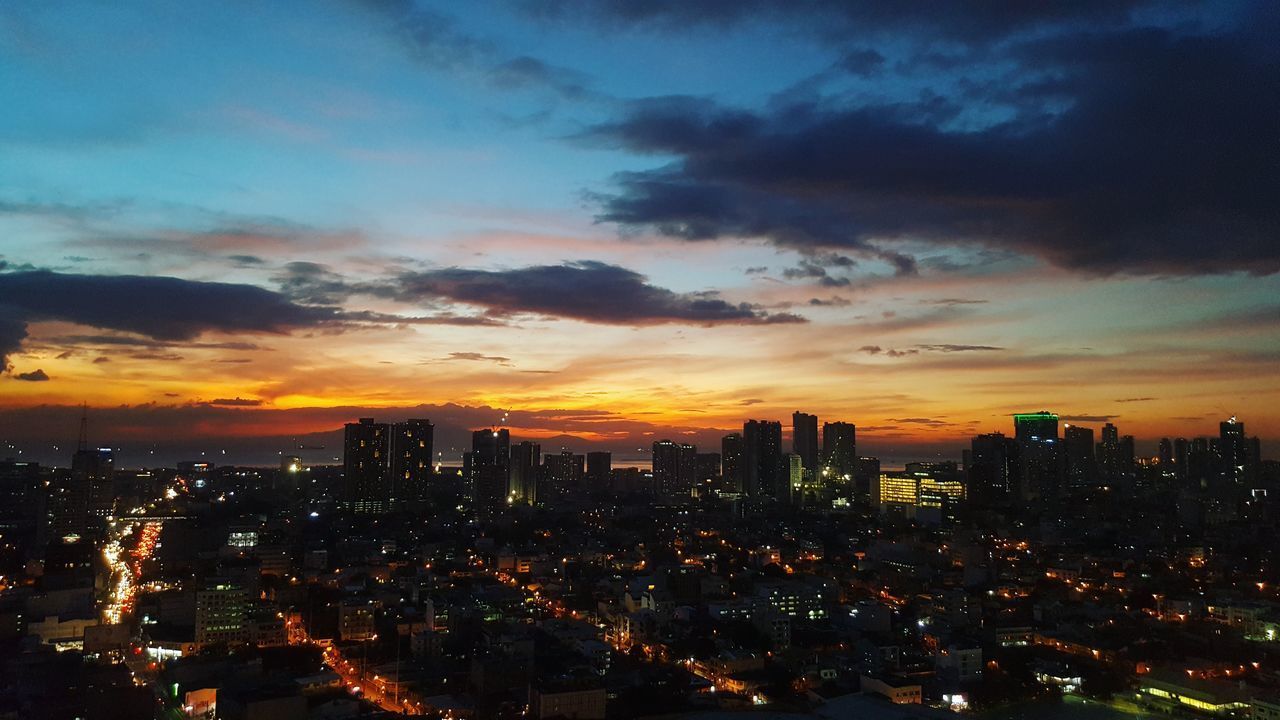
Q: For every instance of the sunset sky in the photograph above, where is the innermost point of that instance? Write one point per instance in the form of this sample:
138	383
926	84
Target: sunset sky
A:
235	225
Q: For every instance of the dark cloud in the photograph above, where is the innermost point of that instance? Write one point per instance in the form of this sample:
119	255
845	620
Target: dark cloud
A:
163	311
1124	150
35	376
751	401
101	359
917	349
236	402
434	40
835	20
952	302
919	421
160	308
1088	418
584	290
12	332
1137	399
863	61
756	270
477	357
949	348
587	290
833	301
817	267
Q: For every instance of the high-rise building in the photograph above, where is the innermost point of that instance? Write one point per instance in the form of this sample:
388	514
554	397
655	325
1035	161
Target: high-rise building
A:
94	469
675	468
762	460
804	439
1233	451
992	469
1040	462
563	473
708	468
839	450
412	446
599	469
731	462
1164	454
523	489
366	467
1077	446
487	469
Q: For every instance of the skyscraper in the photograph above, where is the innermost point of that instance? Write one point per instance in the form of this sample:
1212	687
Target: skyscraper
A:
523	489
412	444
1040	476
365	466
992	473
762	469
1077	446
487	469
804	439
1233	451
731	462
839	449
675	468
599	468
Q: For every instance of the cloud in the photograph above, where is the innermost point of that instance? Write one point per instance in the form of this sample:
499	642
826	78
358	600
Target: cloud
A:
1088	418
833	301
949	348
1103	152
837	20
236	402
476	357
920	421
35	376
917	349
162	310
1135	399
586	290
101	359
434	40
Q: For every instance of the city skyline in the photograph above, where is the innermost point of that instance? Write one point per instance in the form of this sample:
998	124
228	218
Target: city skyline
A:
226	232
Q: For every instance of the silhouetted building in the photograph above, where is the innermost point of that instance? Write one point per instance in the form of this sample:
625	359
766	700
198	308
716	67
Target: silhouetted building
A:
992	469
731	462
675	468
1039	459
563	474
1077	446
804	439
365	466
523	489
487	469
599	468
840	449
412	446
762	460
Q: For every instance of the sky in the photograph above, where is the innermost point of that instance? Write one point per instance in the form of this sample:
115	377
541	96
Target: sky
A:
229	228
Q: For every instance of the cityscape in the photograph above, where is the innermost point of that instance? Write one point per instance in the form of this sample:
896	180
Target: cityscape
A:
640	360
